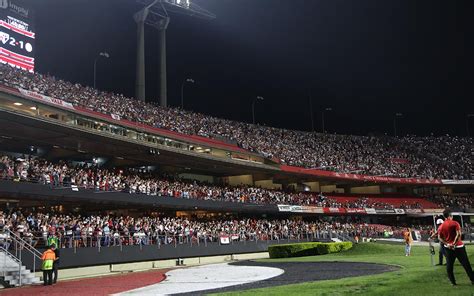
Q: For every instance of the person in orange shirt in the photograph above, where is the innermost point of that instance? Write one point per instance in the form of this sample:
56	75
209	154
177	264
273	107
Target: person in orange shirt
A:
408	241
48	258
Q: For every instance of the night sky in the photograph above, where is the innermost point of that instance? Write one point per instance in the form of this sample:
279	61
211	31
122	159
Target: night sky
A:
365	59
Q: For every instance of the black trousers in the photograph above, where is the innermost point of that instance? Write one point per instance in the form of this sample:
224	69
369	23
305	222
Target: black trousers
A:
441	253
55	272
461	255
48	277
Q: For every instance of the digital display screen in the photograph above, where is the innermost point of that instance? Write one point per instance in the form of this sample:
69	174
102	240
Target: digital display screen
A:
17	34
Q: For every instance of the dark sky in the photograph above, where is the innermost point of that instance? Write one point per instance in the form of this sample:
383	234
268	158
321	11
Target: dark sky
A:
365	59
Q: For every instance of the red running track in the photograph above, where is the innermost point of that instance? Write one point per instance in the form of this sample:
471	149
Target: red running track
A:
104	285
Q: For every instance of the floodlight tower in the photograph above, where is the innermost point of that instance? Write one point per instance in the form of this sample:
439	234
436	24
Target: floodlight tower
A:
156	14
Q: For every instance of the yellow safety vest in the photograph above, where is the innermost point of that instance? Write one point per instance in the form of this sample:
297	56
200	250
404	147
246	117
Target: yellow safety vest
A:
48	259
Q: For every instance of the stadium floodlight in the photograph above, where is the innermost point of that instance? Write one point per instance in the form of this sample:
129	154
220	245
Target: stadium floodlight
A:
188	80
257	98
101	54
323	122
156	13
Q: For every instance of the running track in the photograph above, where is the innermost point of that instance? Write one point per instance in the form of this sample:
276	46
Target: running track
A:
105	285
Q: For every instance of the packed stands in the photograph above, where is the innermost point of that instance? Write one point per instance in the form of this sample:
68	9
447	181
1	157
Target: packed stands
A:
460	201
388	202
73	230
91	176
443	157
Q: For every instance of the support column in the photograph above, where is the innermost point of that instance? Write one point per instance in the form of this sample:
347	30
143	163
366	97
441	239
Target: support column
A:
163	82
140	18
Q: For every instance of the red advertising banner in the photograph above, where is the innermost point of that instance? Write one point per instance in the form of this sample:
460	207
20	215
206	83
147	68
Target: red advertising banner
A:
399	160
356	211
334	210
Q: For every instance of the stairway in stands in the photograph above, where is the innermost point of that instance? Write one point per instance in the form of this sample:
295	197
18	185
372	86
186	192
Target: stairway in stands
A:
13	272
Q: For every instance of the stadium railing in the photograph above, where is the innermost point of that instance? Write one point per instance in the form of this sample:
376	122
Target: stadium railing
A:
106	241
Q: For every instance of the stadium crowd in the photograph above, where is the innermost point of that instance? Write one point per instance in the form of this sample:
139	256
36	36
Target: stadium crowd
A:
463	201
422	157
91	176
74	230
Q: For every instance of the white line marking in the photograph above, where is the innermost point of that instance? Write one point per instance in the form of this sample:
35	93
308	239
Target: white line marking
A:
207	277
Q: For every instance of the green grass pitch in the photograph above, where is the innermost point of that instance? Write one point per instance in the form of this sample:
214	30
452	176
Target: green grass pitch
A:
416	277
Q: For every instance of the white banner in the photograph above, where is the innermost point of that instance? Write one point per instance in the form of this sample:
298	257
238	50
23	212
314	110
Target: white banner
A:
115	116
370	211
39	97
224	240
300	209
458	182
284	208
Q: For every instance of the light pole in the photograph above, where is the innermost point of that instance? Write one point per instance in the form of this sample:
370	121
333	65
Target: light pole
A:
157	13
322	118
101	54
253	107
190	80
467	124
395	123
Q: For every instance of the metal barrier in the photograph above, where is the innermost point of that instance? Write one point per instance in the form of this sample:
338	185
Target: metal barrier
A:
14	245
138	239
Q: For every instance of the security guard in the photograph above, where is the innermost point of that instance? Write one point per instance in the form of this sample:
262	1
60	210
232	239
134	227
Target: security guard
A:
55	264
48	258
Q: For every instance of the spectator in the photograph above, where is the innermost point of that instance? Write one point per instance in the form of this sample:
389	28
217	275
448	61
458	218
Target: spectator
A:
418	157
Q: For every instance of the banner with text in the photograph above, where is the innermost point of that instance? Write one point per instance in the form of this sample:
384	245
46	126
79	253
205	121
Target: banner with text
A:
334	210
45	99
458	182
356	211
300	209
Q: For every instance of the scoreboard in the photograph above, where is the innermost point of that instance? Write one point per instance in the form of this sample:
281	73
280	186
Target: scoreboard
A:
17	34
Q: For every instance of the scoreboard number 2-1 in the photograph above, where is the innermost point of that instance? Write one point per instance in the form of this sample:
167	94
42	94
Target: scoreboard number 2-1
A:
5	37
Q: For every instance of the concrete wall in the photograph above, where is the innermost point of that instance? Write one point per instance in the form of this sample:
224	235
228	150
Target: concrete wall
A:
239	180
366	189
132	257
314	186
268	184
331	188
201	178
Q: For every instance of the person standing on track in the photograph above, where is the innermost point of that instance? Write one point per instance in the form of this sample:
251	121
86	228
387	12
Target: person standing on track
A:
55	263
48	258
408	241
450	235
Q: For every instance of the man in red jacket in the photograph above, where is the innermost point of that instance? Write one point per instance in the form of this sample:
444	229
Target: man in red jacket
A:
449	234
